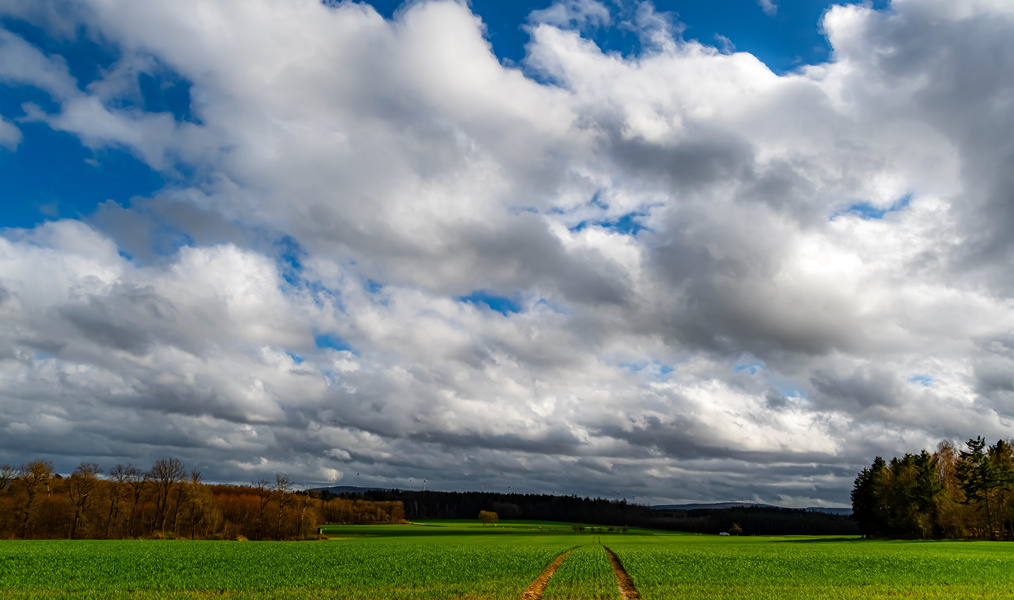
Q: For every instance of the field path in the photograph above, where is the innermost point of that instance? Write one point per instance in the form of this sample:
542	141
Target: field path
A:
535	589
627	589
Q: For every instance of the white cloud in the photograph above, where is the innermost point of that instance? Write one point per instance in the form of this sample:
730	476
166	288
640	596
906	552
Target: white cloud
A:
10	135
339	454
411	168
23	64
574	14
770	7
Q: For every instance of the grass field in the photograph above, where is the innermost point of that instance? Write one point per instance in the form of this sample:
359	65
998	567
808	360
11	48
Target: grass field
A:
464	560
776	568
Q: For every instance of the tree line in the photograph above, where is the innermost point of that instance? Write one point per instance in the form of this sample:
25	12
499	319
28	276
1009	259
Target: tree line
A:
953	493
615	513
421	505
757	520
167	501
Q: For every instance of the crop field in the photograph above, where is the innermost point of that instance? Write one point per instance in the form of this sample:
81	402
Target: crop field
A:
798	567
463	560
585	573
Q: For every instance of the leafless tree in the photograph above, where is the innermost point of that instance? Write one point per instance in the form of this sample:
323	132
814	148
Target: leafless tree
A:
34	476
282	488
165	473
82	483
184	496
263	497
137	480
119	475
7	475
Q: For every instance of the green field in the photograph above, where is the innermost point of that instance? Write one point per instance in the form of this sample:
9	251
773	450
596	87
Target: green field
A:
465	560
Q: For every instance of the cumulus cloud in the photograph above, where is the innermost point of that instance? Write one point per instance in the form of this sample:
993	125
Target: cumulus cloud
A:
769	7
575	14
10	135
671	275
24	64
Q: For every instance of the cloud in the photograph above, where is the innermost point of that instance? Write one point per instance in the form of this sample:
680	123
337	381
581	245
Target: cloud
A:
346	177
725	44
10	135
769	7
23	64
574	14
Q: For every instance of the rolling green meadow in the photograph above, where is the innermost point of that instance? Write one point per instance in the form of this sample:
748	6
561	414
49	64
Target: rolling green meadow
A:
453	559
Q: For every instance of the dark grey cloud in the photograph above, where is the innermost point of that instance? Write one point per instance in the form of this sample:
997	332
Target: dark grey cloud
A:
859	390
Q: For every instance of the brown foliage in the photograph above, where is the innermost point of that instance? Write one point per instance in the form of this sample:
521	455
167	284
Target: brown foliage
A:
166	502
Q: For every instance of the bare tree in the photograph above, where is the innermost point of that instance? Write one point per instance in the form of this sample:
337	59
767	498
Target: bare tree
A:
119	475
197	512
137	480
282	488
82	483
304	501
7	475
184	496
33	476
165	473
263	497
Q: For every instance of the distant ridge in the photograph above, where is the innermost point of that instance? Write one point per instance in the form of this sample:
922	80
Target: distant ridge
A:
731	505
712	506
338	490
829	510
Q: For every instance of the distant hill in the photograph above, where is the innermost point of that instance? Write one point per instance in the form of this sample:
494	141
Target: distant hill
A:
830	511
731	505
338	490
711	506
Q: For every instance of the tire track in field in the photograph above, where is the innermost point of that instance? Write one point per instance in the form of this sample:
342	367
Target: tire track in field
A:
535	589
626	584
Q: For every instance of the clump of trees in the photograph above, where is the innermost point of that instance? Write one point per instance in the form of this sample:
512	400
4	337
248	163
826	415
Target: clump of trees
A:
167	501
951	493
488	517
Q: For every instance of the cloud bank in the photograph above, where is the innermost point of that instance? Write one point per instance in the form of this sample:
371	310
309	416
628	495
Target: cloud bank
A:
671	275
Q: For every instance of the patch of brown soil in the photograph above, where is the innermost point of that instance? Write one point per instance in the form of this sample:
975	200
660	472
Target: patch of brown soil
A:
627	589
534	591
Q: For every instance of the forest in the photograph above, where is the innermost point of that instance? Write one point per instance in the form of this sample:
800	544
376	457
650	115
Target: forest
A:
755	520
167	501
953	493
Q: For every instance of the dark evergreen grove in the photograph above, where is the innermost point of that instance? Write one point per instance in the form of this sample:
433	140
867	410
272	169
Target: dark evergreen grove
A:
952	493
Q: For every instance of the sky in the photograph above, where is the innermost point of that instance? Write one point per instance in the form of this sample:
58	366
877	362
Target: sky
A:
673	252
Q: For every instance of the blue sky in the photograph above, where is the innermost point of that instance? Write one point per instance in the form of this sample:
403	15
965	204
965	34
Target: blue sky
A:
784	40
35	191
698	251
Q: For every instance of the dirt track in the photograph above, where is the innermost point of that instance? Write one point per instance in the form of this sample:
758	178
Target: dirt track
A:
534	591
627	589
